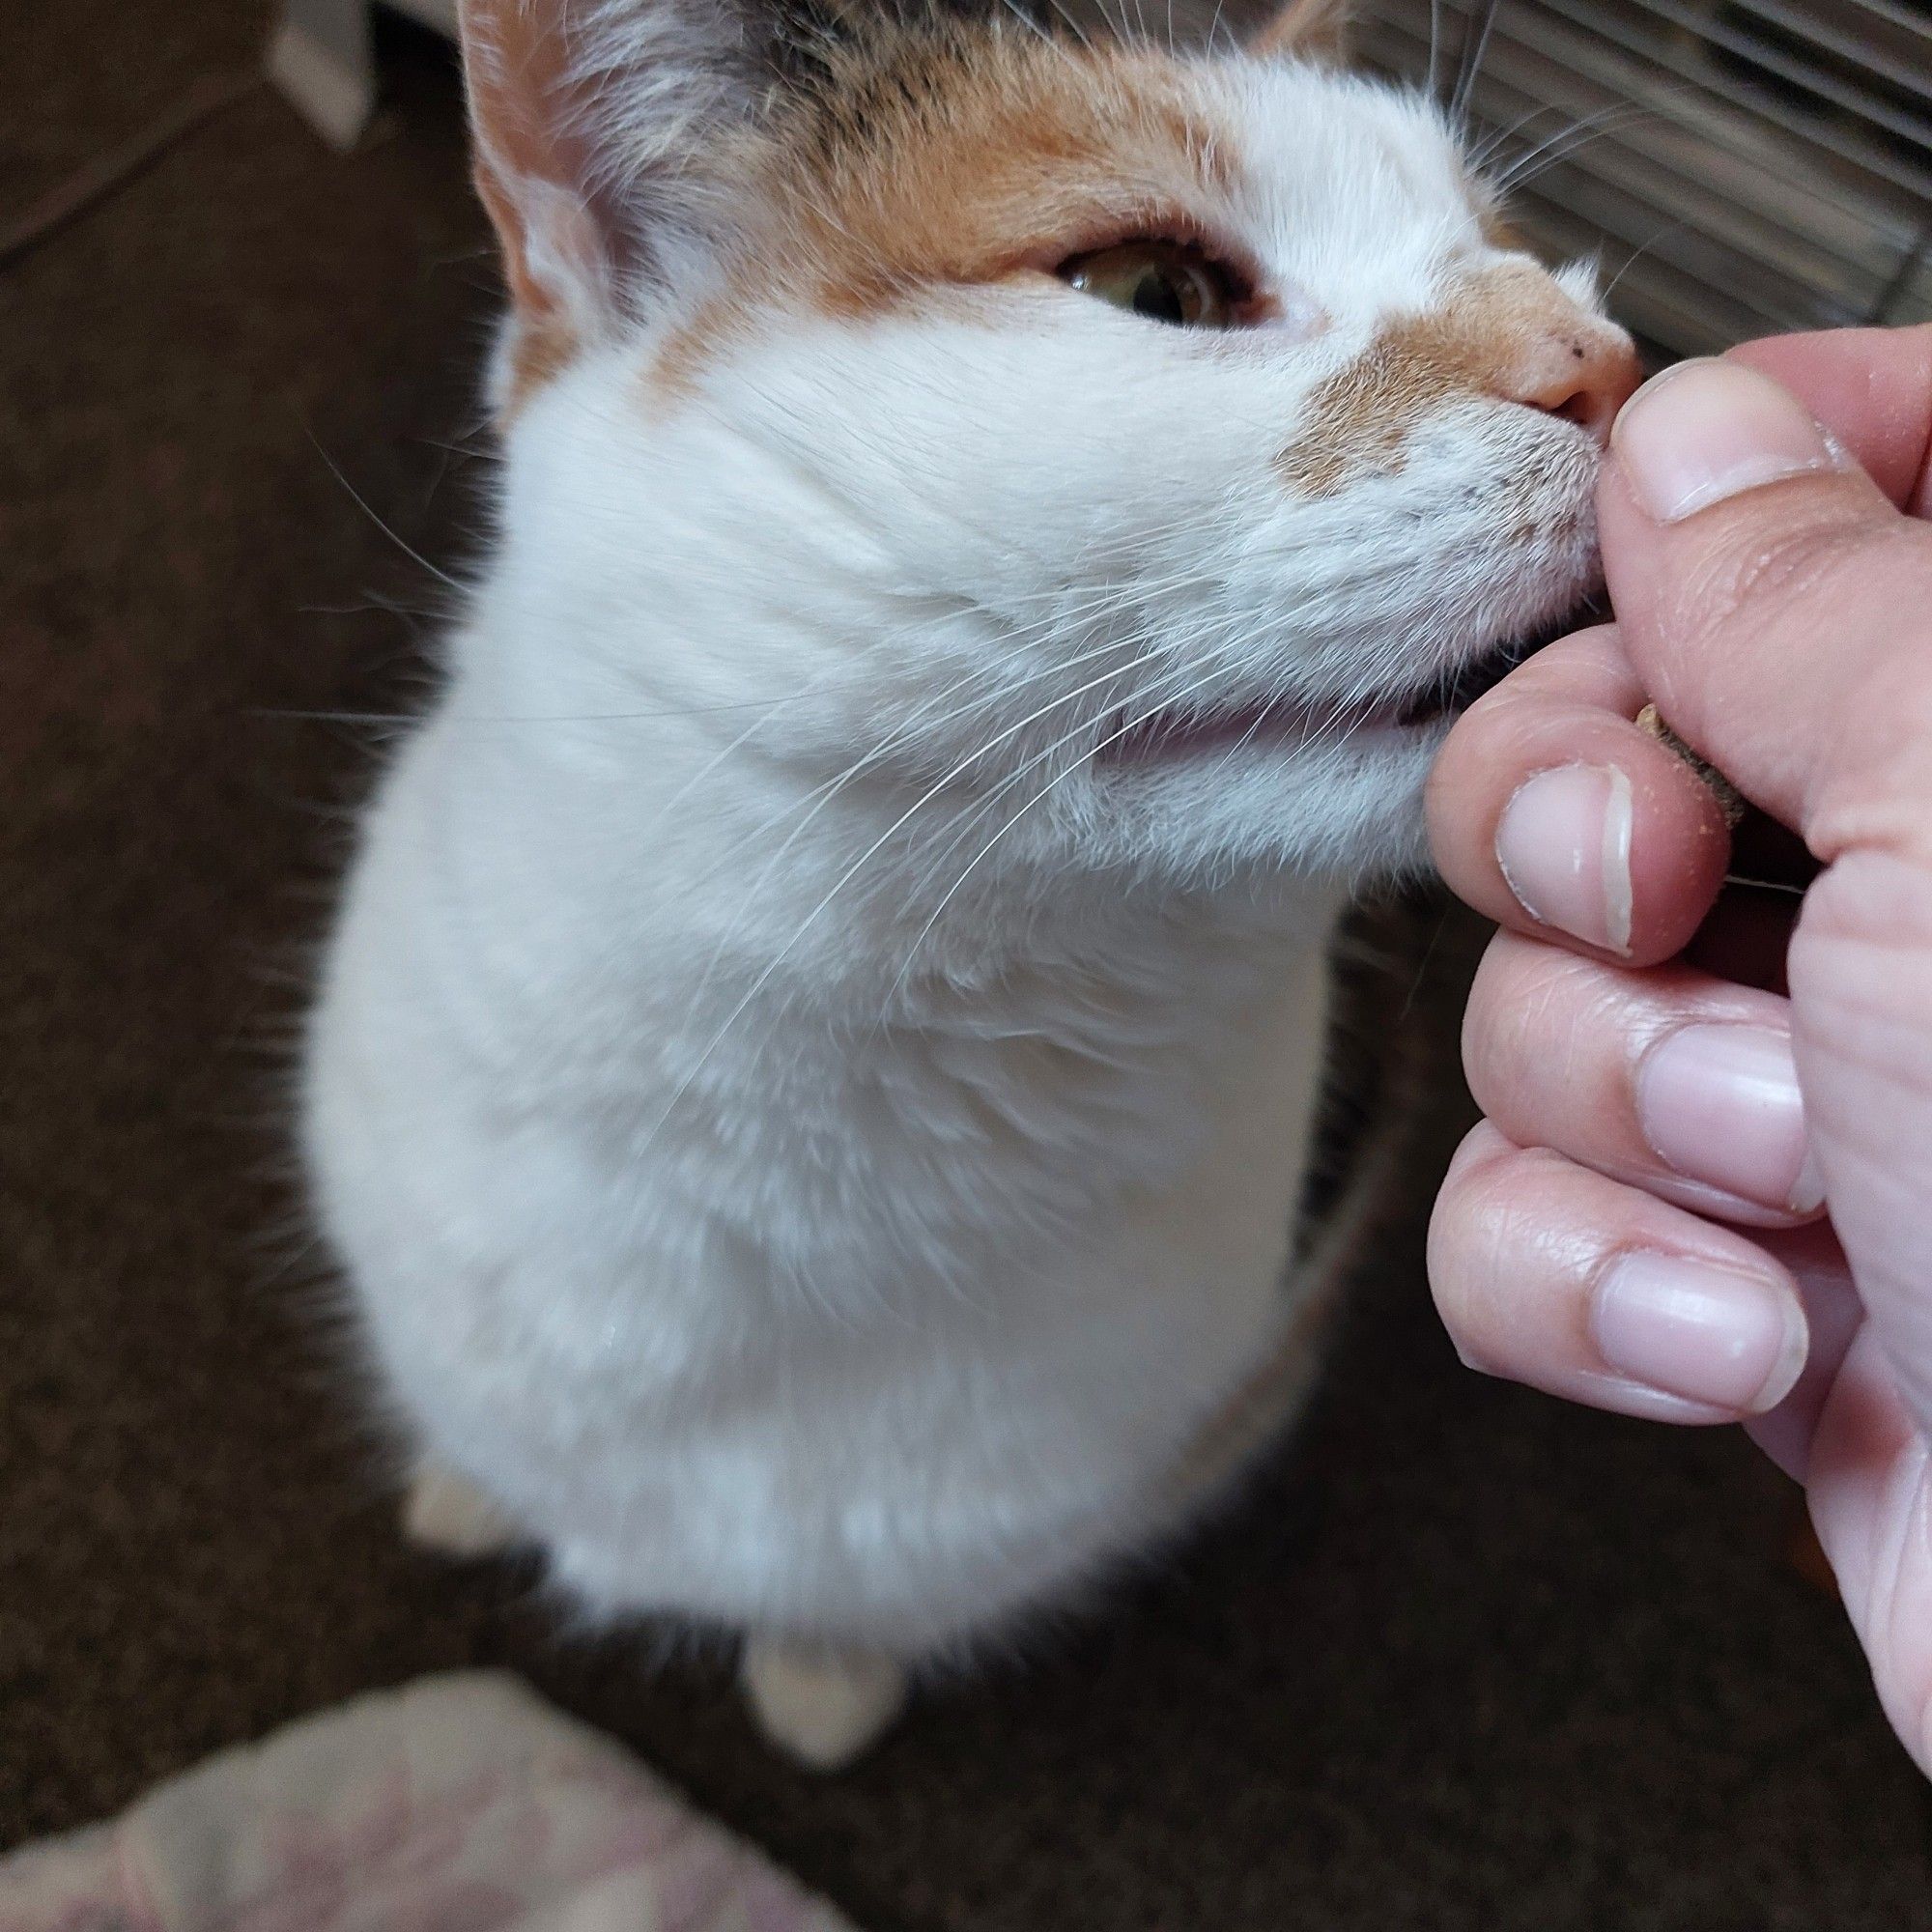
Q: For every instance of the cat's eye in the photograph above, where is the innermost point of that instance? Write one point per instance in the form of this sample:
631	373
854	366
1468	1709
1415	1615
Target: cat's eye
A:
1165	281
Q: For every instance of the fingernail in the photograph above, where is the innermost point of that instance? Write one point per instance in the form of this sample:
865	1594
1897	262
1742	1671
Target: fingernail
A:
1693	1329
1721	1104
1704	430
1563	843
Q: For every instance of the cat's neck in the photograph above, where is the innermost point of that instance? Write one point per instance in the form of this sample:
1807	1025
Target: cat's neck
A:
618	926
647	851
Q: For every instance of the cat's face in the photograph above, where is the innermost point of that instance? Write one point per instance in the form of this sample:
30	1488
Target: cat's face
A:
1141	453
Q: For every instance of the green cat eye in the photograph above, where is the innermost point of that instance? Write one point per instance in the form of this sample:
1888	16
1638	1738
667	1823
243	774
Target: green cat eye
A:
1165	281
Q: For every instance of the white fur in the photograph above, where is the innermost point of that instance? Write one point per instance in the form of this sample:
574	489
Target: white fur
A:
801	1186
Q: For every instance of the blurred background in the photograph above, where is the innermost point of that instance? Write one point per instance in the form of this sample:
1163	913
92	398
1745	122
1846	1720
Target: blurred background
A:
1461	1656
1740	167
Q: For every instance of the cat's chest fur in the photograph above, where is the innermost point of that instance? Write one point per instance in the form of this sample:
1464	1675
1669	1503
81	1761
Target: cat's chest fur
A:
725	1284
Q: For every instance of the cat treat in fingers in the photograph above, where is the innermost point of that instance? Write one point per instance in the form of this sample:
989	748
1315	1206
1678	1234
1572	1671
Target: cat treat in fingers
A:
814	1067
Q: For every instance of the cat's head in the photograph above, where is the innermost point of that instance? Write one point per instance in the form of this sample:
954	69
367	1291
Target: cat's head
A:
1031	437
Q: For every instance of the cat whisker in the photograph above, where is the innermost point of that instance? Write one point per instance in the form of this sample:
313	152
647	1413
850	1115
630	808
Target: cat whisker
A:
1168	700
958	772
1637	253
1568	142
278	712
363	504
1482	152
1469	66
1073	25
1026	20
822	794
1170	693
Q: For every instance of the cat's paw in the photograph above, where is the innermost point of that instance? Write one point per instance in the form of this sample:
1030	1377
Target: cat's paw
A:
449	1514
823	1707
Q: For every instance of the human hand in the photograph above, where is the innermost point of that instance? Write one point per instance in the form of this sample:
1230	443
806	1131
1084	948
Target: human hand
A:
1636	1223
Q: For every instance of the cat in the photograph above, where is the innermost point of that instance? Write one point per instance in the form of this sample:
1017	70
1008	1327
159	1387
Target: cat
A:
813	1068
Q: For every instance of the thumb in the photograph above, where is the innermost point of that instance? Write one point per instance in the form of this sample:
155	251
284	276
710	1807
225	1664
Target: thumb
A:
1775	603
1779	608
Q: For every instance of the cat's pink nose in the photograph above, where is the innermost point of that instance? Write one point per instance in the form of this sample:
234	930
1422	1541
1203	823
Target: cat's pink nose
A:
1583	370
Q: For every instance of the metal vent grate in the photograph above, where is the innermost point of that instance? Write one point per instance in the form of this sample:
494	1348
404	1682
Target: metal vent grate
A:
1737	166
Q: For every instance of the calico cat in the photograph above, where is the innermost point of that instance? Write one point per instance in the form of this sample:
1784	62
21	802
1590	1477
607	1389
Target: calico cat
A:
815	1066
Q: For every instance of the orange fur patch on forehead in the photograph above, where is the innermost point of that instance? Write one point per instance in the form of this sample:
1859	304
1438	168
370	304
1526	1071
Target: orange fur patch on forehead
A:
954	154
1482	339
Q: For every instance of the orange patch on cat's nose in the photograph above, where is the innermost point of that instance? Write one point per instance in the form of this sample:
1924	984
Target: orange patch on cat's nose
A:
1510	334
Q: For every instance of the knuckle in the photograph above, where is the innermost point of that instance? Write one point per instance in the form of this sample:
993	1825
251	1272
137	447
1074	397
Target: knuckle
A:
1482	1199
1457	1225
1483	1236
1481	1146
1529	1007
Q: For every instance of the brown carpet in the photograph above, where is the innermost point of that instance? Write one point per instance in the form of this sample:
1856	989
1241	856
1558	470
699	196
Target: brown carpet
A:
1465	1658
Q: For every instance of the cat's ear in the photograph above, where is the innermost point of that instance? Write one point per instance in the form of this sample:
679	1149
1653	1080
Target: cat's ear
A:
596	125
1314	30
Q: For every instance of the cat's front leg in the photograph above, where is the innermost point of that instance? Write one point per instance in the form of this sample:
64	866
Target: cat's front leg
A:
826	1707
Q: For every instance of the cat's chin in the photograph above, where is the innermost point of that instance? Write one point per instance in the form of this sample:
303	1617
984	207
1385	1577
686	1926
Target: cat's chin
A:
1270	728
1348	809
1415	714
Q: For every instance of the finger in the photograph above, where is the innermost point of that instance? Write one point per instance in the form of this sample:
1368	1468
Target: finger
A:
1550	812
1835	1317
1775	604
1665	1079
1861	967
1555	1276
1872	390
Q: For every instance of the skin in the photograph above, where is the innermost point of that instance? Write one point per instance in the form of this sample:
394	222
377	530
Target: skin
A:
1786	633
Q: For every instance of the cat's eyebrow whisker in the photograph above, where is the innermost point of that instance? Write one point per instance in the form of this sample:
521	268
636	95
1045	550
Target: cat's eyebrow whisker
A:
1488	148
1617	117
1469	66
